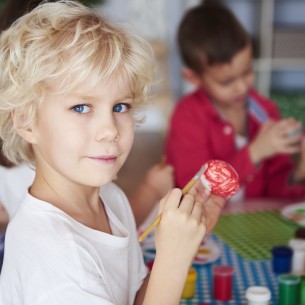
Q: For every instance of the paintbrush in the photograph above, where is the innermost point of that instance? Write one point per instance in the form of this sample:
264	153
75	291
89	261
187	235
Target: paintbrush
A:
188	186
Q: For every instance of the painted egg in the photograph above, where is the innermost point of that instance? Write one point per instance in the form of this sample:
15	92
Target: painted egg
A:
220	178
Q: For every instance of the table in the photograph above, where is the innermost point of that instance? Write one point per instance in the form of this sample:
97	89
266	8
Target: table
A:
252	268
245	233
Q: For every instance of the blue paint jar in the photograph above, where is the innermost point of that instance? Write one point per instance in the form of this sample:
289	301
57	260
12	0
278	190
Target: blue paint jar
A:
281	259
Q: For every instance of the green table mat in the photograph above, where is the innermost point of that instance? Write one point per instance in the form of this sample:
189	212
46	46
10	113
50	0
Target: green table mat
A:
254	234
290	104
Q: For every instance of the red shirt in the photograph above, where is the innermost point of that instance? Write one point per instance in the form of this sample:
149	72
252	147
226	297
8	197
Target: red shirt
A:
198	133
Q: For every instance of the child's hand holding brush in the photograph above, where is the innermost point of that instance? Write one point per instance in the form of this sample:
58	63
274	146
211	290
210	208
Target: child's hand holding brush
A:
217	177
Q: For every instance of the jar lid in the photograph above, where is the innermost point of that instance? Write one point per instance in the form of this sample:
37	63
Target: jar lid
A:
289	279
282	251
297	244
223	270
258	294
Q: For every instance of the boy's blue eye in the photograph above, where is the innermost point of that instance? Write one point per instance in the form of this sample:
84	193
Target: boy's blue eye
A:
81	108
121	108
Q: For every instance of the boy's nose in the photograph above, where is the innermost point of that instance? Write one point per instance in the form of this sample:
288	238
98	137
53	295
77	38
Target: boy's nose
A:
107	130
241	87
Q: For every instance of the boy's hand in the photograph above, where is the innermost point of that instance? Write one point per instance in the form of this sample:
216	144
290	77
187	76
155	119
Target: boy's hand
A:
181	229
212	204
276	138
185	221
299	174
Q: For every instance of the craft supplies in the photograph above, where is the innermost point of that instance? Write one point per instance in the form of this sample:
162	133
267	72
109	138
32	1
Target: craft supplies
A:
298	256
189	289
223	282
220	178
289	289
281	259
258	295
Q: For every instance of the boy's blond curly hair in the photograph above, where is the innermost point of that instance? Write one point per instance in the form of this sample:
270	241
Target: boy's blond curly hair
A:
64	41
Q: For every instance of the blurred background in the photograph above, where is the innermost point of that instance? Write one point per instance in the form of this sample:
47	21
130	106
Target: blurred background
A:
278	31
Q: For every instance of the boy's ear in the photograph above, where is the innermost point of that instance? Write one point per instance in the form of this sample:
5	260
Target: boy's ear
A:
192	77
19	118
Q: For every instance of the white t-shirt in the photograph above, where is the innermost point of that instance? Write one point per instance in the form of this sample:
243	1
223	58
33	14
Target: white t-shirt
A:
51	259
14	184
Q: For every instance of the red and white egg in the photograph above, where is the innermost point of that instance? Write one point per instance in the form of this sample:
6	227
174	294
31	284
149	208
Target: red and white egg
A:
220	178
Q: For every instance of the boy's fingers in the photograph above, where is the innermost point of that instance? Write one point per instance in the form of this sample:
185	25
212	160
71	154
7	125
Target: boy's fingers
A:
197	211
187	203
172	199
163	202
199	191
213	207
204	219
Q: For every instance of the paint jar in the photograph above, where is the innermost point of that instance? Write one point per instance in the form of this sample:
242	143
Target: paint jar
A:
289	285
258	295
189	289
281	259
300	233
298	258
223	282
302	291
150	265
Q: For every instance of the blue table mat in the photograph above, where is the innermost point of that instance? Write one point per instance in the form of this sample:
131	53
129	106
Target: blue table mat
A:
247	273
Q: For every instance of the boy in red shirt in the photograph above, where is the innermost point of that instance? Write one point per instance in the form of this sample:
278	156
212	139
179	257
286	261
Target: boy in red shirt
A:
225	118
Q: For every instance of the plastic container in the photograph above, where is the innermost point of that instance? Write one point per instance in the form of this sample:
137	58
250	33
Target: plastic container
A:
298	257
258	295
289	293
189	289
302	291
223	282
150	265
300	233
281	259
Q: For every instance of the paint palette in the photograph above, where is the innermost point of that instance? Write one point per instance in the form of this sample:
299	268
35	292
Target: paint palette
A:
295	213
208	252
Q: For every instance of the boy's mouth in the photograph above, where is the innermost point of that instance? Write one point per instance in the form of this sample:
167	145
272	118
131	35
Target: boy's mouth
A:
106	159
241	98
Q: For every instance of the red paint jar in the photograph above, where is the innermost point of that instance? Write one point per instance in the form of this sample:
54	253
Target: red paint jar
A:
223	282
150	265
